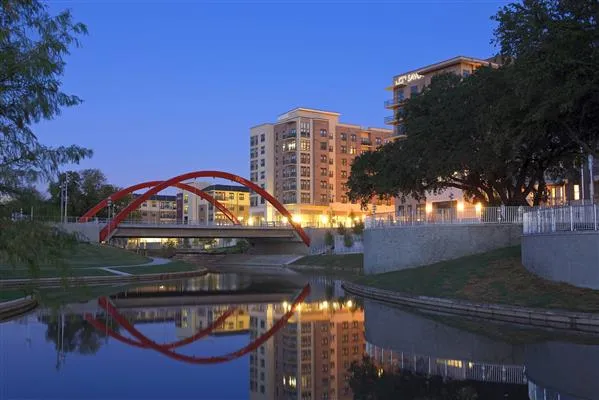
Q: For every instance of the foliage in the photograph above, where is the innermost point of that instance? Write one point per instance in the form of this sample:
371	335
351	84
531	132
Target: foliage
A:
329	240
348	240
242	245
32	46
78	336
498	134
85	189
169	249
552	46
341	229
358	228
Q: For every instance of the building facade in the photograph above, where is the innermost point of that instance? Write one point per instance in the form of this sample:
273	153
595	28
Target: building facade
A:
403	87
195	210
304	160
310	357
159	209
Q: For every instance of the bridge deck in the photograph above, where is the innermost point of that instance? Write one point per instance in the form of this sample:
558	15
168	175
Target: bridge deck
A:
204	231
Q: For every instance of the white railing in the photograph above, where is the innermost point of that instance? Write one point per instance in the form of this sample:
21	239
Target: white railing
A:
561	219
467	215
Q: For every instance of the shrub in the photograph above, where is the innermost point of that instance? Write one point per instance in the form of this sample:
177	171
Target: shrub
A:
341	229
358	228
329	240
348	240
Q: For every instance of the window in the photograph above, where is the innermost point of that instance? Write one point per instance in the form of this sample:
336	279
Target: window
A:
344	174
345	325
305	198
343	136
345	351
345	339
262	149
330	149
262	162
262	176
343	161
323	198
261	388
262	137
305	158
325	354
343	149
323	172
378	141
323	145
262	324
344	199
324	184
325	341
353	137
466	73
413	90
262	362
355	323
305	184
305	145
352	150
325	368
305	171
242	196
323	133
576	192
355	337
323	158
261	376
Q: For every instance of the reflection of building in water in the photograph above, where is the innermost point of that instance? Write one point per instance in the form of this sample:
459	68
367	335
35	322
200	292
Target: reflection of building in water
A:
194	319
309	358
151	315
454	369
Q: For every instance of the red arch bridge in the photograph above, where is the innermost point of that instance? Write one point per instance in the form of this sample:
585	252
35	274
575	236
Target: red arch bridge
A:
290	232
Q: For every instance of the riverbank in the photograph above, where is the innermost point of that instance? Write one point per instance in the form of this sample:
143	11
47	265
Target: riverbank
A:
85	260
496	277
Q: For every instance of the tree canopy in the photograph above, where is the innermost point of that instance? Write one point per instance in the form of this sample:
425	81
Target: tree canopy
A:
499	133
33	45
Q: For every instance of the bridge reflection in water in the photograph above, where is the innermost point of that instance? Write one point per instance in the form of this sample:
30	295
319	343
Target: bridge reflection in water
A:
316	349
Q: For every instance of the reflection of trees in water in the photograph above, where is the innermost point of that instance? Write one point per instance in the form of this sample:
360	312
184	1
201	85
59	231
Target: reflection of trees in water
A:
369	383
77	336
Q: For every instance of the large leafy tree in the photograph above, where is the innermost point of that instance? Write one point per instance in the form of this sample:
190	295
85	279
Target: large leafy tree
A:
33	44
553	46
85	189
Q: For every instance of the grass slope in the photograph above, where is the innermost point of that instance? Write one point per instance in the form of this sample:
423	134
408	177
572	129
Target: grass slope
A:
494	277
175	266
342	261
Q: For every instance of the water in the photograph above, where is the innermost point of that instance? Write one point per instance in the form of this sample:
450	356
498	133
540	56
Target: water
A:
59	354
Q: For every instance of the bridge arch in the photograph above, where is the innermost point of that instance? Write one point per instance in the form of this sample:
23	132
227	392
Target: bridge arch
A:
147	343
123	192
203	174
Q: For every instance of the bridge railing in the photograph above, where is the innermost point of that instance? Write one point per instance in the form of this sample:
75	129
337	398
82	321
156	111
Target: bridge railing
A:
466	215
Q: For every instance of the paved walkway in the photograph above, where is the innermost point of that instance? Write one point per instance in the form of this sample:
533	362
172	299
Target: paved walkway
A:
155	261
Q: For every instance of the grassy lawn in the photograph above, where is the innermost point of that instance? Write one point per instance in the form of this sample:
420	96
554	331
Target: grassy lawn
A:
52	273
341	261
493	277
175	266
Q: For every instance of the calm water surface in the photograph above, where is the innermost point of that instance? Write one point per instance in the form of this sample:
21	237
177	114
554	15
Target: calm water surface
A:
78	351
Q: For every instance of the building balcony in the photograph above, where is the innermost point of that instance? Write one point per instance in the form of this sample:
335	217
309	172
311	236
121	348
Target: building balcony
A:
288	135
399	131
393	103
391	120
366	142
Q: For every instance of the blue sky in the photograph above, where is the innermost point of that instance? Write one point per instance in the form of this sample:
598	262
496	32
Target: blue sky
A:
173	86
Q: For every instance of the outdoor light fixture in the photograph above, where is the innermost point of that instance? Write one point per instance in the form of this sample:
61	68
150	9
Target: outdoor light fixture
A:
428	208
460	206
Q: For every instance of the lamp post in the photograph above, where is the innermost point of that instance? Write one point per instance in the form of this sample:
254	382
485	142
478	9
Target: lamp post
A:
109	212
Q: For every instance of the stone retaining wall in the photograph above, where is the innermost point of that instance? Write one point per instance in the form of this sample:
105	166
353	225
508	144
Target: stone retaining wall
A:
396	248
14	308
559	319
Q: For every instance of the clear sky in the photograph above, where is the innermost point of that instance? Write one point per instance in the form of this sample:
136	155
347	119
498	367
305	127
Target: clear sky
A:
174	86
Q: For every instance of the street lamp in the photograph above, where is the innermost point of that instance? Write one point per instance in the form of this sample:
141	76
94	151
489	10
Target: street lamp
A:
109	211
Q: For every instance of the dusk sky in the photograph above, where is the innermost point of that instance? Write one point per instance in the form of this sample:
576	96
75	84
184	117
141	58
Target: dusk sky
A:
174	86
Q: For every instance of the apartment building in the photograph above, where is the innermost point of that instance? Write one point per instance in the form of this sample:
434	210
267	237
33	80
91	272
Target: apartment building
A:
304	159
194	210
192	320
159	209
407	85
310	357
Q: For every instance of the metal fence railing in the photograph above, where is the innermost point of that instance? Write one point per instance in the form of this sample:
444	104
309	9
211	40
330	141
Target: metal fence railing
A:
560	219
466	215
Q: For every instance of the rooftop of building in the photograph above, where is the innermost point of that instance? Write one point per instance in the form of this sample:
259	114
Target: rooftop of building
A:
159	197
226	188
444	64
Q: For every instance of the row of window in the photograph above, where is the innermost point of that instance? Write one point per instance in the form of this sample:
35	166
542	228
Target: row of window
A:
254	139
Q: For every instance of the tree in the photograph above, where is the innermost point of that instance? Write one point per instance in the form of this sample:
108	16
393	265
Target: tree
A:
358	228
86	188
33	45
329	240
464	133
348	240
341	229
552	45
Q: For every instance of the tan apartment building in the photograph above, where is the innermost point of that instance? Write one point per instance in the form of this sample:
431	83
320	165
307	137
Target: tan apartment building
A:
310	357
411	83
159	209
304	159
195	210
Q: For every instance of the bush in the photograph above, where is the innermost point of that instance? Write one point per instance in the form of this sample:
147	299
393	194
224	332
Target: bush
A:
358	228
329	240
242	245
341	229
348	240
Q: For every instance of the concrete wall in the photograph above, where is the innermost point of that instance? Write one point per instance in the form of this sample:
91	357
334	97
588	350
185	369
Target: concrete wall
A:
89	231
571	257
397	248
